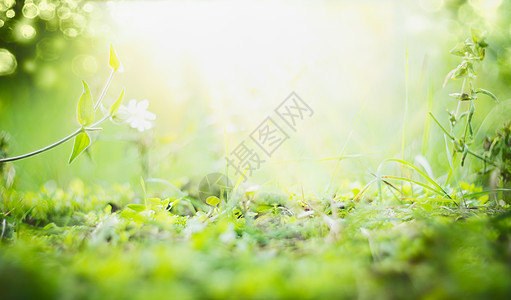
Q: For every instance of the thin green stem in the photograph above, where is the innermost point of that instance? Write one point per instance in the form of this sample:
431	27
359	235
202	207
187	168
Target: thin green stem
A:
405	113
469	117
481	158
442	127
42	149
67	138
459	102
99	122
341	155
96	106
103	92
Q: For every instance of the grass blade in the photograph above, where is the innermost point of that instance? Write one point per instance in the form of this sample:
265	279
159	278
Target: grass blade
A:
429	179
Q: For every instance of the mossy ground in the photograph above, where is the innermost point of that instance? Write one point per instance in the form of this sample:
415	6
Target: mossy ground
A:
85	243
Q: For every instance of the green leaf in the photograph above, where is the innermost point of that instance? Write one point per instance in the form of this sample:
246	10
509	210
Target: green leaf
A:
460	49
173	203
113	61
460	71
213	201
473	195
237	212
155	201
165	202
478	37
487	93
115	107
461	96
441	127
82	141
476	34
436	191
136	207
85	108
482	54
429	179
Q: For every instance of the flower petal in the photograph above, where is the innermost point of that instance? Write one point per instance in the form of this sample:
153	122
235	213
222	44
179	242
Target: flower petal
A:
143	105
149	115
132	105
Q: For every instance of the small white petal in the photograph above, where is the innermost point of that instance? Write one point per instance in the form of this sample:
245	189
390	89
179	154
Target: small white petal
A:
147	124
143	105
136	114
132	105
149	115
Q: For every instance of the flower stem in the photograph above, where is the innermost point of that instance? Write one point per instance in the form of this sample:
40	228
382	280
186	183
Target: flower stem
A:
482	158
67	138
441	127
103	92
42	149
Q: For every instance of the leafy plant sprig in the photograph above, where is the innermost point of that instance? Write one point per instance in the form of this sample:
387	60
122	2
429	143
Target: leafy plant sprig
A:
473	51
85	115
498	149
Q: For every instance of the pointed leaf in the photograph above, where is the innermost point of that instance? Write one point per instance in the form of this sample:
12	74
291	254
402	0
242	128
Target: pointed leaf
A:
429	179
173	203
449	76
85	108
487	93
460	71
461	96
113	61
476	34
460	49
478	37
136	207
82	141
115	107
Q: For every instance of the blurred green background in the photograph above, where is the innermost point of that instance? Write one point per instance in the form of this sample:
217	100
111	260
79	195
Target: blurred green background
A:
213	70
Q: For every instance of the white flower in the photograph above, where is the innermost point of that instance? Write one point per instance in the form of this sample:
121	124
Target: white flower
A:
136	114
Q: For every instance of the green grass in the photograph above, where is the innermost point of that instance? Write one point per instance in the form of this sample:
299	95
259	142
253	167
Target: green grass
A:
85	243
432	226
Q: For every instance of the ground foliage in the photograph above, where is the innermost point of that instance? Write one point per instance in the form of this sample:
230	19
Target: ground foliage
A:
90	243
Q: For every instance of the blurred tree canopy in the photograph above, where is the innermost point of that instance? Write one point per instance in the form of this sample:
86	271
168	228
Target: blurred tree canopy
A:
35	34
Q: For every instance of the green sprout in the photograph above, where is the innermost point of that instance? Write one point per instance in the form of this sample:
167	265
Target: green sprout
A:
472	51
85	116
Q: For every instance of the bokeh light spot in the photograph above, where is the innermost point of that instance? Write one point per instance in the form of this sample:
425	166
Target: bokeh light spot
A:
84	65
46	77
47	11
10	14
70	32
63	12
50	49
88	7
9	3
27	31
8	62
30	10
485	4
30	66
73	25
79	21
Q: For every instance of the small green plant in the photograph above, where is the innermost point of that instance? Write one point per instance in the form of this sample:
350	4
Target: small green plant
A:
498	150
472	50
136	116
